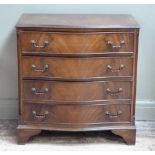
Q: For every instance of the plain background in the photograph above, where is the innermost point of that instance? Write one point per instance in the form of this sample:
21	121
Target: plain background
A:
144	14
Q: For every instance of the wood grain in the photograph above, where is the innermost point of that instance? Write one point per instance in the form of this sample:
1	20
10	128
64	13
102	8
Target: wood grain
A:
25	134
75	21
75	42
75	91
76	68
69	114
129	136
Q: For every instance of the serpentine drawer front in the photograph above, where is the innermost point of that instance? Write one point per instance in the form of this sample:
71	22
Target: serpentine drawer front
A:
76	91
89	114
92	42
95	68
77	73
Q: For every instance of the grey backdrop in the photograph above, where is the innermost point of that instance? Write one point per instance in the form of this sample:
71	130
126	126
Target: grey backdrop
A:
145	15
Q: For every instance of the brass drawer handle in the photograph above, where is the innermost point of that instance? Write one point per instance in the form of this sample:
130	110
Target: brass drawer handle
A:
35	115
34	43
114	93
110	115
45	68
110	68
119	45
36	92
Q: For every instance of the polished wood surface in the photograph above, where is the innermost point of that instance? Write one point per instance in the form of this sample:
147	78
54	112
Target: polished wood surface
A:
77	21
127	135
76	42
89	114
76	91
77	74
76	68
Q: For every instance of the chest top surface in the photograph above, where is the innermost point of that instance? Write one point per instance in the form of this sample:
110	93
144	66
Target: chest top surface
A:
77	21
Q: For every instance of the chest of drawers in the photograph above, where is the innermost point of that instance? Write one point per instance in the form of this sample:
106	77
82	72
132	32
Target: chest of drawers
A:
77	73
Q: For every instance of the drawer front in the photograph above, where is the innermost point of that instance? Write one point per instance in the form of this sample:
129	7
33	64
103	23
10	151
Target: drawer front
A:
75	91
76	114
76	68
48	42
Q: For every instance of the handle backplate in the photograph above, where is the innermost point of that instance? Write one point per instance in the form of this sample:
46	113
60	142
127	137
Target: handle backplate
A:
110	68
116	45
38	116
34	43
111	115
36	92
45	68
114	93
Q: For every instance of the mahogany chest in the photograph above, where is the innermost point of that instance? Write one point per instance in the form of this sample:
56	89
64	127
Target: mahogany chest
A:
77	73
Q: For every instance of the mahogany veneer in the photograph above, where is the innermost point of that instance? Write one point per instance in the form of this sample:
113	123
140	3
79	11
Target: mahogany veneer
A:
77	73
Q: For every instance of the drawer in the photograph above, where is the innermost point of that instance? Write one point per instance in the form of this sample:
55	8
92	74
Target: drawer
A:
75	91
76	114
69	43
76	68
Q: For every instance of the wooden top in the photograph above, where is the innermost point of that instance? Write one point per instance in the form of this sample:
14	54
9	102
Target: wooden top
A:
77	21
